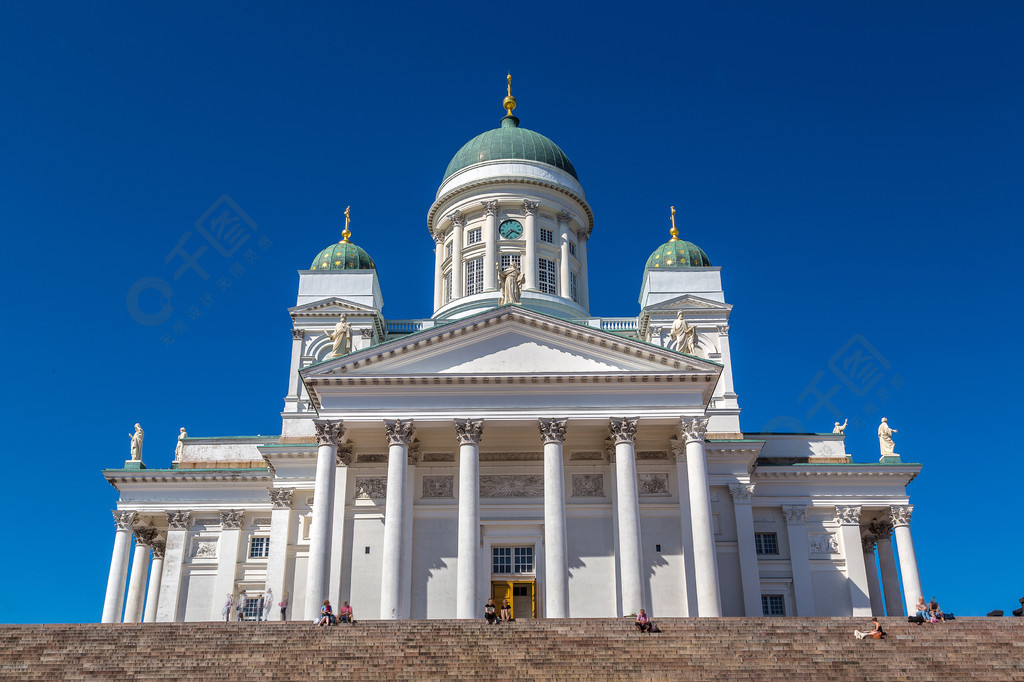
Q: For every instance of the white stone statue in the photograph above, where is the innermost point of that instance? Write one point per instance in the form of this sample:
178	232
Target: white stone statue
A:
510	281
341	338
683	337
840	428
885	442
181	445
137	443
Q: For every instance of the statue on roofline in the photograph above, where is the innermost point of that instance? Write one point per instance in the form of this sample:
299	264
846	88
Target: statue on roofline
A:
840	428
510	282
885	441
341	338
137	437
181	444
683	337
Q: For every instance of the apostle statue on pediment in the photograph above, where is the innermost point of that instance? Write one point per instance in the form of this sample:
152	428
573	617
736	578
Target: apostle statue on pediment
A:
137	437
510	282
683	337
341	338
885	442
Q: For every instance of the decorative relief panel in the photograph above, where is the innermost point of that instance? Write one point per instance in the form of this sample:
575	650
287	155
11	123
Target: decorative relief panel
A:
375	488
373	458
511	456
584	455
513	485
653	484
651	454
439	486
587	485
261	521
204	548
206	521
824	543
437	457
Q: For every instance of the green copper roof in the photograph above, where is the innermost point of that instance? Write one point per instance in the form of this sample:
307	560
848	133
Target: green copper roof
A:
510	142
343	256
678	254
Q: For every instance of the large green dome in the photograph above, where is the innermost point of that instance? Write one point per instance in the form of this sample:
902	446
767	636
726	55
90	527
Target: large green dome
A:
343	256
509	142
677	253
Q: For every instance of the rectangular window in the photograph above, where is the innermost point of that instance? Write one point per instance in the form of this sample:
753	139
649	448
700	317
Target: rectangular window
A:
572	249
474	236
502	560
573	287
546	278
474	276
523	559
773	605
508	259
448	250
766	543
259	548
547	236
509	560
253	607
447	286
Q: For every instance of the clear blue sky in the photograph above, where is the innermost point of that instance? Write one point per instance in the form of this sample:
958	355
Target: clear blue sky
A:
854	168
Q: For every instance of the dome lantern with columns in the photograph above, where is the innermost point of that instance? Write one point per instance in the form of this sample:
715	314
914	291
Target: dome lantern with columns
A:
510	196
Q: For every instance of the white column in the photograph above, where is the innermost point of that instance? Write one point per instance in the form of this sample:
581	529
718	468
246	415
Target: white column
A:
227	560
328	433
174	558
749	576
556	547
114	598
799	558
294	385
689	596
399	434
277	556
900	518
156	570
564	218
458	231
584	283
468	432
630	550
343	460
438	268
137	581
490	245
848	519
725	381
871	568
887	567
530	235
705	562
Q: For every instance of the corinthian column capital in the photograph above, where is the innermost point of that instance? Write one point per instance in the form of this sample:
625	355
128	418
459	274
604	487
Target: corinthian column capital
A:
231	519
530	207
623	430
469	431
552	430
158	547
693	429
178	520
399	432
741	493
847	516
900	515
490	207
328	431
280	498
124	520
144	535
795	514
564	217
458	220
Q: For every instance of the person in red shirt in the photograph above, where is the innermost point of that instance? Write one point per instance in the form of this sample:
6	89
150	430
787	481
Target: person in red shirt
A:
643	622
345	614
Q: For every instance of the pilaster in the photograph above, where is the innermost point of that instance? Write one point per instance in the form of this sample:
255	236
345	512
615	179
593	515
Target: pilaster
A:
741	494
800	558
848	519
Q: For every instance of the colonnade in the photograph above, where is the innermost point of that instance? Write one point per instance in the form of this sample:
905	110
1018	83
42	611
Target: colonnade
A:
164	559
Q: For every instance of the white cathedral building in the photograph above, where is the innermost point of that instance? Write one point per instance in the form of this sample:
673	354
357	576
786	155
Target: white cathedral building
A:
511	445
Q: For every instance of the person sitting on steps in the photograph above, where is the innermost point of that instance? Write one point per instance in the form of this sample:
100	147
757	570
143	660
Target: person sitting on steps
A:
345	614
875	633
643	621
489	615
326	614
506	611
935	614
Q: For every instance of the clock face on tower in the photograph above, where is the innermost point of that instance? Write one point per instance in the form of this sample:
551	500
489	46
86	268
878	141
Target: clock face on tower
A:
510	229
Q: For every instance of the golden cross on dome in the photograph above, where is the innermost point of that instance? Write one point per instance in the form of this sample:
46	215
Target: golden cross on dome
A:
345	234
674	232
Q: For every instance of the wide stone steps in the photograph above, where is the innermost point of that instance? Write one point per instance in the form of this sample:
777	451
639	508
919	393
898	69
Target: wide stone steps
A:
597	649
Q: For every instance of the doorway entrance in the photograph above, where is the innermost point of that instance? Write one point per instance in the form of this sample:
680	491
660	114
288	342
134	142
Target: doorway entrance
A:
521	594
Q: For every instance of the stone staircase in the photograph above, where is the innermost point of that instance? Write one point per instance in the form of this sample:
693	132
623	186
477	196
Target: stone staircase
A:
594	649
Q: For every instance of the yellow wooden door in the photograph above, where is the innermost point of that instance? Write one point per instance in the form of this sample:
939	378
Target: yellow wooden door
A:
524	599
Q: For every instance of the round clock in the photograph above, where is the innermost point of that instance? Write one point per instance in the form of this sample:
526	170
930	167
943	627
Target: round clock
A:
510	229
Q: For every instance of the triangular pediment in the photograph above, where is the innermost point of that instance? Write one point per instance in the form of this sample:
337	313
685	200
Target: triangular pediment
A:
330	306
688	302
511	341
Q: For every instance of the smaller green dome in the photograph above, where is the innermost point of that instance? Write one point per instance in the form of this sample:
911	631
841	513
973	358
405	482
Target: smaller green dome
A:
343	256
677	253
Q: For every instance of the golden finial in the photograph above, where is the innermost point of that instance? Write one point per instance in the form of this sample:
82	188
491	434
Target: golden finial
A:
510	101
674	232
345	234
